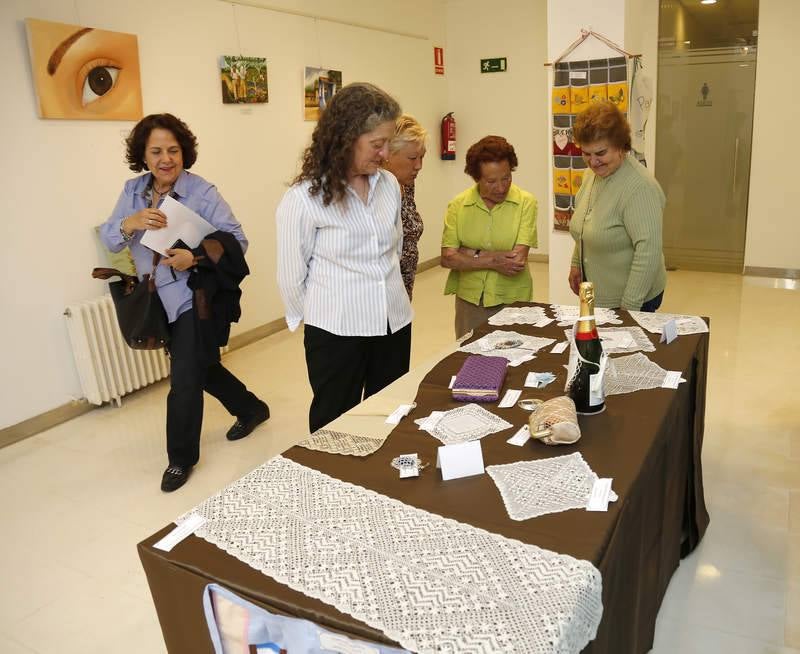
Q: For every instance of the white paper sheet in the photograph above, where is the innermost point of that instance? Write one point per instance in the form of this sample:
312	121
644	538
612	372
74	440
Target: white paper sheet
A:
182	223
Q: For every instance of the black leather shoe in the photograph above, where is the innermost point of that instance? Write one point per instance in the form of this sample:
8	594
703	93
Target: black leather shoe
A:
244	425
175	477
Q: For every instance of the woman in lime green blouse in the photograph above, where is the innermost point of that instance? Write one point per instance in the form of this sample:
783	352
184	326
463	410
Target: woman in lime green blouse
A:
617	223
488	231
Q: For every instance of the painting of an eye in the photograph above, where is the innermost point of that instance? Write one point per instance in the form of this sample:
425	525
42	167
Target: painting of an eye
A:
84	73
99	81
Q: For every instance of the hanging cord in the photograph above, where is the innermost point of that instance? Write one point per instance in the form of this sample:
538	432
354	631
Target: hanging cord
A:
236	29
585	34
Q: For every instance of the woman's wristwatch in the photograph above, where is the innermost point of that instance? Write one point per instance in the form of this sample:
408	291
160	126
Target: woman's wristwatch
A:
477	253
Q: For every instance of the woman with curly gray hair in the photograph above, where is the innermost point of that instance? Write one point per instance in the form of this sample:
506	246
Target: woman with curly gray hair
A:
340	237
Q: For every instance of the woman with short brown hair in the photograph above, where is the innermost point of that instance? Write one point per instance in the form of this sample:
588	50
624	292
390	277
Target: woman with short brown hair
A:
617	223
488	231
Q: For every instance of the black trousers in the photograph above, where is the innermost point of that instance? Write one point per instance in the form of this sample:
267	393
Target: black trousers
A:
192	372
343	370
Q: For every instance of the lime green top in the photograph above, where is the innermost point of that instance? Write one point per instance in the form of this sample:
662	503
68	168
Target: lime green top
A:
621	219
469	223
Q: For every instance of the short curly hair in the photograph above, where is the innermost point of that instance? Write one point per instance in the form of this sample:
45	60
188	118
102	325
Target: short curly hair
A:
490	149
356	109
602	121
137	140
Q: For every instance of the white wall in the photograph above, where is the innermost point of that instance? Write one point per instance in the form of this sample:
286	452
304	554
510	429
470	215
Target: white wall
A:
773	220
507	104
565	19
61	178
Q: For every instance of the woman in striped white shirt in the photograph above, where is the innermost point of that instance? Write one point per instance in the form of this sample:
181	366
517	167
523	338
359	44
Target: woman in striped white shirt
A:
340	237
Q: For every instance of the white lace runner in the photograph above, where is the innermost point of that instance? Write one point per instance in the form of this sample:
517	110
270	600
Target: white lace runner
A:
339	442
634	372
534	488
428	582
621	340
517	348
462	424
654	322
518	316
567	314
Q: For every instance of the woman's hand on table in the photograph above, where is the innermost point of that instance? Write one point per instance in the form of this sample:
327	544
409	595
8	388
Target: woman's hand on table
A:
149	218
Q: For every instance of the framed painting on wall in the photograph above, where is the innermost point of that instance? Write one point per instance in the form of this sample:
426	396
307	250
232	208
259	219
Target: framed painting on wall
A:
320	86
244	79
84	73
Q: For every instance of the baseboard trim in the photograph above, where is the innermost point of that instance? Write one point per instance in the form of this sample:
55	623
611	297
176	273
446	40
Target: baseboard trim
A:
54	417
256	334
428	264
777	273
43	421
432	263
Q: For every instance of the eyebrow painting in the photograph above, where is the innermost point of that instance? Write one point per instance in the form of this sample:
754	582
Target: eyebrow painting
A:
84	73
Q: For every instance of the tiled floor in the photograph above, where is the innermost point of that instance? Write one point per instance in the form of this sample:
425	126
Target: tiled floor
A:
78	498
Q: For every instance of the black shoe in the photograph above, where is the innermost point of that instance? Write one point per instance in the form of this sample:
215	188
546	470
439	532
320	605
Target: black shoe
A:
175	477
244	425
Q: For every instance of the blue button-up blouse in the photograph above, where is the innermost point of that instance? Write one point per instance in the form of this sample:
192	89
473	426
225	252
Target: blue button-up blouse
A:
190	190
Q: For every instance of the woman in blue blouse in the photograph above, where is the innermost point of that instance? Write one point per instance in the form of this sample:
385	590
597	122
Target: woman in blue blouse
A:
164	146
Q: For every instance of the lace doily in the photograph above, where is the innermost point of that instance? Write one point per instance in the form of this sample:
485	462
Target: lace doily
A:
534	488
637	336
498	344
518	316
654	322
339	442
428	582
634	372
567	314
465	423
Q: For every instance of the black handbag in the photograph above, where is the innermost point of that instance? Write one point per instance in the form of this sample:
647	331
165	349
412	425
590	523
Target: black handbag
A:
141	316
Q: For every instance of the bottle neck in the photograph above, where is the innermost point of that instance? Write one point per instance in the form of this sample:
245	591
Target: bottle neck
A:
587	327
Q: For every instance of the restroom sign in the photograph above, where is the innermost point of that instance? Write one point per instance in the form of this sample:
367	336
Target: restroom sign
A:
438	61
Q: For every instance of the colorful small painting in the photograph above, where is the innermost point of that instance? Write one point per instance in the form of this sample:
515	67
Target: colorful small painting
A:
319	88
244	79
84	73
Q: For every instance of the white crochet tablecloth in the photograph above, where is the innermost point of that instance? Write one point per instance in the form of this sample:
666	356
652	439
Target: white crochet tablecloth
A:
428	582
462	424
639	338
339	442
632	373
493	344
534	488
567	314
518	316
654	322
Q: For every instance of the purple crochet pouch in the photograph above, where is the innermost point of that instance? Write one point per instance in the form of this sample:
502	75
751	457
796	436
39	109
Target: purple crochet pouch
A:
480	379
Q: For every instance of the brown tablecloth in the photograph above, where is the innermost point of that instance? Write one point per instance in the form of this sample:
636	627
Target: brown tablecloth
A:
650	442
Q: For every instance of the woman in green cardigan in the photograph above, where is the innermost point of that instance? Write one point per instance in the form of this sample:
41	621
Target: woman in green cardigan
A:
617	223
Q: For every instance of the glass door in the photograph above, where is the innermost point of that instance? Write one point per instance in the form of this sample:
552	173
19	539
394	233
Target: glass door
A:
703	142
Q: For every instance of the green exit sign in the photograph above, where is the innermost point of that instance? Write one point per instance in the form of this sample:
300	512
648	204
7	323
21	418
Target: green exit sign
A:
497	65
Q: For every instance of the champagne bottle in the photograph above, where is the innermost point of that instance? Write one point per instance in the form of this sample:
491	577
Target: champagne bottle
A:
586	388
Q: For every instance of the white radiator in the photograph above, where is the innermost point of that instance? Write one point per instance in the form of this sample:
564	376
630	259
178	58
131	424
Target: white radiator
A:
107	367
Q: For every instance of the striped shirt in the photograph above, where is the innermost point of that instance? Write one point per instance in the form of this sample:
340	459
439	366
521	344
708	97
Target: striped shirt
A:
339	266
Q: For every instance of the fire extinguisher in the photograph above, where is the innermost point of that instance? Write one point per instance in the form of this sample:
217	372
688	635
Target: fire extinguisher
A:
449	137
